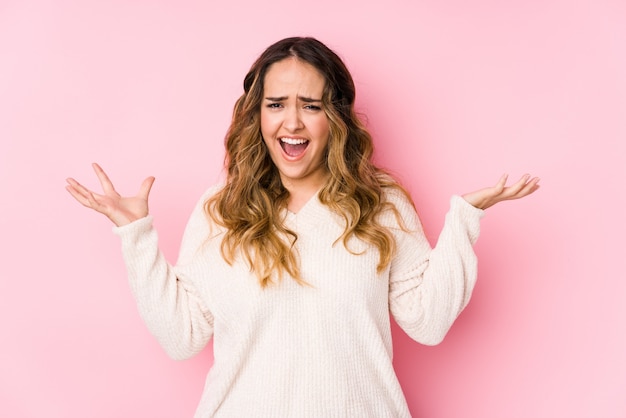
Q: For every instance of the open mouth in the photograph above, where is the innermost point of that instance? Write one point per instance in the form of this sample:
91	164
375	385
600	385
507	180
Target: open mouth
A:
293	147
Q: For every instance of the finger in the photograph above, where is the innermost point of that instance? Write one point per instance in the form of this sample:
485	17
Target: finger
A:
79	192
107	185
94	203
145	188
500	185
516	188
87	199
78	196
530	187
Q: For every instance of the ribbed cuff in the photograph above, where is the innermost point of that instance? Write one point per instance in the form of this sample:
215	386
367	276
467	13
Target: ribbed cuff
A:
468	215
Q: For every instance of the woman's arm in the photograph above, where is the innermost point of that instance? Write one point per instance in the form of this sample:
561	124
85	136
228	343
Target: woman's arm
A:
167	300
429	287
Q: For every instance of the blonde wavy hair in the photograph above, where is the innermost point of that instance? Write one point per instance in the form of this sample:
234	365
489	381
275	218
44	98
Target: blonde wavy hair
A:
250	205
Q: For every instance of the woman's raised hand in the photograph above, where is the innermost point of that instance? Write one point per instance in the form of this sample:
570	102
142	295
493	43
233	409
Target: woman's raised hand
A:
489	196
120	210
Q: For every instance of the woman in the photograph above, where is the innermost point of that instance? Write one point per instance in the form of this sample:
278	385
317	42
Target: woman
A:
294	264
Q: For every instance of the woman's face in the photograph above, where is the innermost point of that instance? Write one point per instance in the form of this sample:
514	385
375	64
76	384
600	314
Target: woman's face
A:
293	124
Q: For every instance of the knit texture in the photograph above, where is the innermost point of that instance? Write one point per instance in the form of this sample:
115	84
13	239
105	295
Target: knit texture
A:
288	350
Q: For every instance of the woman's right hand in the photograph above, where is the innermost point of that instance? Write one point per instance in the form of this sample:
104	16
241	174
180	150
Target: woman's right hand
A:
120	210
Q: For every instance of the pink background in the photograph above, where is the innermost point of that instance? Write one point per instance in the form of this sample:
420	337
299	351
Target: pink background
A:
456	93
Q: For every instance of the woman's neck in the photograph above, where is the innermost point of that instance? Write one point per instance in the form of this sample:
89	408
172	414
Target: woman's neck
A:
301	192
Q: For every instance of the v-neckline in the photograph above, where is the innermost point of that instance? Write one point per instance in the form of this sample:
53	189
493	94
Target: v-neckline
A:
306	205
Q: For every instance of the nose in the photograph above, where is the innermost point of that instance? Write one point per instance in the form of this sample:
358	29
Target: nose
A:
293	121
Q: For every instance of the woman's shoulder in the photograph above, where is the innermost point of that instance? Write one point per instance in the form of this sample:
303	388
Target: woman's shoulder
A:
199	212
201	227
210	192
395	194
398	206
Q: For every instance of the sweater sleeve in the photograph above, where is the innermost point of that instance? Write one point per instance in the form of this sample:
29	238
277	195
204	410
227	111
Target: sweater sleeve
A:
429	287
167	300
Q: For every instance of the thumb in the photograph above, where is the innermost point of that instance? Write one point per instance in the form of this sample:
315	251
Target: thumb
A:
145	188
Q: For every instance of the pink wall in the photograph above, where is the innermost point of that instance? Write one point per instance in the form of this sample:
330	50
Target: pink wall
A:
456	93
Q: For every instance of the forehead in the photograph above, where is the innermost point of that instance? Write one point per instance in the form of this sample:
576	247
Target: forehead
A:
292	75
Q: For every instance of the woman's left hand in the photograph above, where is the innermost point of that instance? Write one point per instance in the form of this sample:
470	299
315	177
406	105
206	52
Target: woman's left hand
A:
489	196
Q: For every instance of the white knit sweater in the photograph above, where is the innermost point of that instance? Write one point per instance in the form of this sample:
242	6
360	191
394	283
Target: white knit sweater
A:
304	351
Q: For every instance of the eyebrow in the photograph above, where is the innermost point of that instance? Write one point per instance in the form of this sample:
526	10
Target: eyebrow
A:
304	99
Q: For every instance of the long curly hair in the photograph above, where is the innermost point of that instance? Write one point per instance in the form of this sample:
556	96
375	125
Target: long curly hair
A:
251	203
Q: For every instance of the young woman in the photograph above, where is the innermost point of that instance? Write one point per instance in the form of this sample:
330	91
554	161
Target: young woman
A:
295	262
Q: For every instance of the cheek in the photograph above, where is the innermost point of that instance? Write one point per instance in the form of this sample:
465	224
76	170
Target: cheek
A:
322	129
268	130
264	123
269	123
